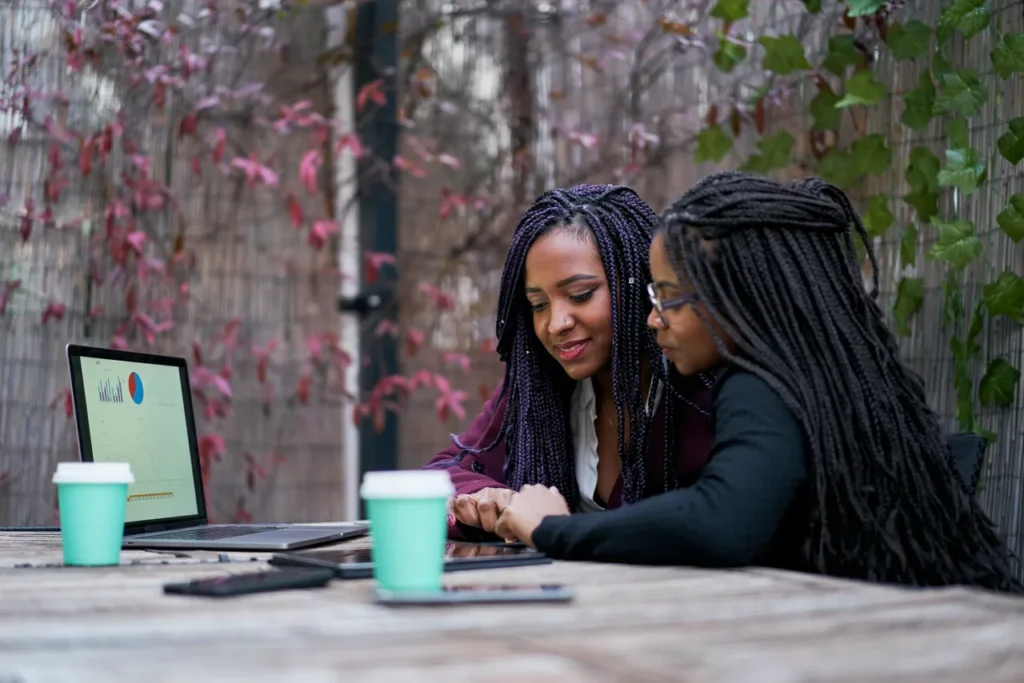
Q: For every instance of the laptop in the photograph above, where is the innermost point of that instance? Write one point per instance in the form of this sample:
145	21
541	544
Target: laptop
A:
137	408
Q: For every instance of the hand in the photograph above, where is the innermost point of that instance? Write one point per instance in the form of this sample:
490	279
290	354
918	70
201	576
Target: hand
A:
481	509
528	509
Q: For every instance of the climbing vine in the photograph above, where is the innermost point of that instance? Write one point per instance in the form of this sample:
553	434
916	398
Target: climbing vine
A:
846	81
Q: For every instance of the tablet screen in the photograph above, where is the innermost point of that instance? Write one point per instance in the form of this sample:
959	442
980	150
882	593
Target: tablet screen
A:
455	551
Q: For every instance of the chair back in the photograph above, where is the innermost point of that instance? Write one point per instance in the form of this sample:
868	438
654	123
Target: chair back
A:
968	451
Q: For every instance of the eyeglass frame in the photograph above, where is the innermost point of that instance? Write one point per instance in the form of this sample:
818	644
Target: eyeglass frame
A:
662	305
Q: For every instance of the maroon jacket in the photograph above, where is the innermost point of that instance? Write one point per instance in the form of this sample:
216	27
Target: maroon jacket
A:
471	472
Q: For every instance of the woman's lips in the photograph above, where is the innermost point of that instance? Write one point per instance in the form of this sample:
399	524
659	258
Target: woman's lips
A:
571	351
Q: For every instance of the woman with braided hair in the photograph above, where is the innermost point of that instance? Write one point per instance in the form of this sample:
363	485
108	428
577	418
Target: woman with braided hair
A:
826	456
586	396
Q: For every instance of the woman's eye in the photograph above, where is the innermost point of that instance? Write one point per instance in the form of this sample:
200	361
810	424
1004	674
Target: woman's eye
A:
580	298
537	307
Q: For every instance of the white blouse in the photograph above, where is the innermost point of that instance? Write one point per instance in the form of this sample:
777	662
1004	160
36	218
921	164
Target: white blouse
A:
584	437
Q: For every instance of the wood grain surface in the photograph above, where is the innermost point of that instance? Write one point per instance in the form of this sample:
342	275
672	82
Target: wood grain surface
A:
626	624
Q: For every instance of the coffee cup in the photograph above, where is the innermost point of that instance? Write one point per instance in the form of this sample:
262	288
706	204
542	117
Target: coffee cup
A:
92	497
408	513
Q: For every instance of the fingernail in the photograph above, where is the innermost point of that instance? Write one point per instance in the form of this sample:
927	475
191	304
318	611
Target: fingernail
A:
451	520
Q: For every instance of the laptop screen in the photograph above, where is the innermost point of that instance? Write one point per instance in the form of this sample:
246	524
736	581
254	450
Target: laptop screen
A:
136	414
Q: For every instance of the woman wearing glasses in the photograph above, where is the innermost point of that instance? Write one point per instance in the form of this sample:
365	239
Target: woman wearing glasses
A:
587	404
826	456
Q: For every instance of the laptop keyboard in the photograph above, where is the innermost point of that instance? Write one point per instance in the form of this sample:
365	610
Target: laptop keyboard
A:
209	533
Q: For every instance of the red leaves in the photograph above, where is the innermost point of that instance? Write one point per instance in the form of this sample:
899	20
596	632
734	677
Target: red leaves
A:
309	167
585	140
262	355
410	167
294	211
374	262
302	391
414	339
55	311
449	401
459	360
219	142
64	397
188	125
350	141
211	448
8	289
254	170
437	297
26	220
320	231
371	92
137	240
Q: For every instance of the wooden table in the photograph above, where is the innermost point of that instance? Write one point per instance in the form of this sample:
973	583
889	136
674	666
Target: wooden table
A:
626	624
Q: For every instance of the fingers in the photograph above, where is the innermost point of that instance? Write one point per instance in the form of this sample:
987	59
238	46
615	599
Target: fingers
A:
465	510
488	512
503	527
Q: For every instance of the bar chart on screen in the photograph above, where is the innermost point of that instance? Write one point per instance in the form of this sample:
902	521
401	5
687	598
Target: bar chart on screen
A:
110	393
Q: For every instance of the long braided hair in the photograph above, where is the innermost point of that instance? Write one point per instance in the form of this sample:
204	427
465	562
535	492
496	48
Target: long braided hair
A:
536	428
775	267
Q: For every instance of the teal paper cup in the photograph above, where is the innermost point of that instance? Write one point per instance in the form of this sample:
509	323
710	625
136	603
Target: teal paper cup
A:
92	498
408	513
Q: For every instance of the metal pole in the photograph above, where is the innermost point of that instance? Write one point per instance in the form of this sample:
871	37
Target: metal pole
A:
376	57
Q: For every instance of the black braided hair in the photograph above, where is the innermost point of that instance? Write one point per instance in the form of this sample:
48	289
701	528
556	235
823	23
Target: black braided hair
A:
776	268
536	427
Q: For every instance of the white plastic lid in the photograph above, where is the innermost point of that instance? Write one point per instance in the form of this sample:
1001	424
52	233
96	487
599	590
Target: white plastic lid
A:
93	473
407	484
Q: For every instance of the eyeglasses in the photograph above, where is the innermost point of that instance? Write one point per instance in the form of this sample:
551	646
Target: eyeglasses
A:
662	305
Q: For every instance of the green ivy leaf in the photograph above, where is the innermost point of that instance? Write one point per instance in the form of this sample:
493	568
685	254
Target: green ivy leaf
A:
1011	219
871	155
730	10
909	297
863	8
838	168
842	53
922	176
957	244
1008	56
953	310
813	6
919	103
823	109
783	55
713	144
774	154
963	170
1005	296
961	92
999	384
940	65
908	246
974	328
909	41
728	55
1011	143
862	88
957	134
971	17
878	217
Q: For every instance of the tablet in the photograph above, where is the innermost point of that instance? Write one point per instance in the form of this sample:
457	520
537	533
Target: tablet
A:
349	563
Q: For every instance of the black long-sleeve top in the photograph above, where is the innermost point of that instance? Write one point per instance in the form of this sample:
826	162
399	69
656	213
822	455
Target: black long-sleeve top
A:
747	507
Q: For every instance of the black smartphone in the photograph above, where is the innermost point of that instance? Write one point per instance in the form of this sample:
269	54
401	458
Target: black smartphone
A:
475	595
259	582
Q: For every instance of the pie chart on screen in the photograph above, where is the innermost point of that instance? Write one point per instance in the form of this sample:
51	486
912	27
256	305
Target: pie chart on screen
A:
135	387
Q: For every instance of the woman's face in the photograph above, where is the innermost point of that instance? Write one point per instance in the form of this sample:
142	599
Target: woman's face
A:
682	336
572	306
